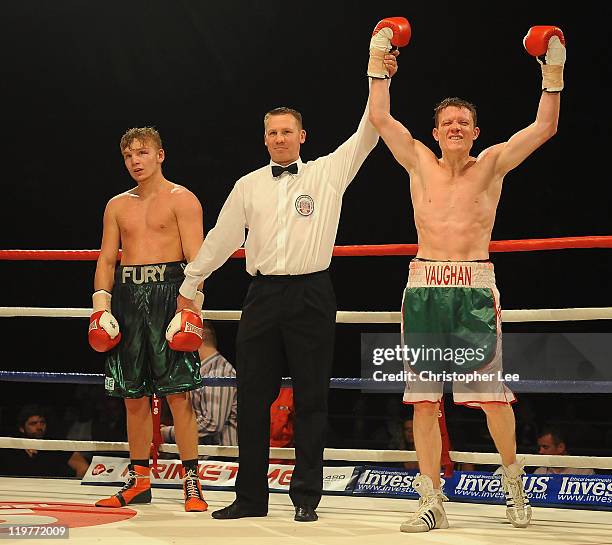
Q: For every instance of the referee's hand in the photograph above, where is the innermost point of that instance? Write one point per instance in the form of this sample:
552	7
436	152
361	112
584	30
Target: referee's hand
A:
184	303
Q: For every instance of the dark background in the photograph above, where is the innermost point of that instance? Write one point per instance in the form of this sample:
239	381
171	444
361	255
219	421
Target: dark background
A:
76	75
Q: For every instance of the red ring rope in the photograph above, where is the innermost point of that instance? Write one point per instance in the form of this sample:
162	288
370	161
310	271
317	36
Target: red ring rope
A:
527	245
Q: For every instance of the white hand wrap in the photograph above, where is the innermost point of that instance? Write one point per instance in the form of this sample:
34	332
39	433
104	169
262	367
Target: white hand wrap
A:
380	45
101	300
552	68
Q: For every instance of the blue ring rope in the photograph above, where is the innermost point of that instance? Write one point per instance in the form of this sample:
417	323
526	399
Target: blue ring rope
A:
346	383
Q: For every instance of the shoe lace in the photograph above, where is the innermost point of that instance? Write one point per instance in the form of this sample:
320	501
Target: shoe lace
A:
191	485
131	481
514	487
426	502
424	505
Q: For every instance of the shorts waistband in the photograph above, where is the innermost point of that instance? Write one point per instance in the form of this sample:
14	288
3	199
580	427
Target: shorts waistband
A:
451	274
150	273
290	277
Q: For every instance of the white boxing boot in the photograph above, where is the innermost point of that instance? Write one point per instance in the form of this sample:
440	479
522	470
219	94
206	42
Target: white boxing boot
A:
430	513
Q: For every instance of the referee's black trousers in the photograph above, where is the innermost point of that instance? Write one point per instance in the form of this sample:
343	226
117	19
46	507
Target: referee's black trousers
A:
285	320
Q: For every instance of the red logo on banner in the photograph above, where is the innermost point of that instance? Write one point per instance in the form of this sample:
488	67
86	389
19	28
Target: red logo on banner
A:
100	468
281	476
73	515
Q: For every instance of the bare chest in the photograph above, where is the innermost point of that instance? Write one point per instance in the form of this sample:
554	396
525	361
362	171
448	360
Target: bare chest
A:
146	218
442	193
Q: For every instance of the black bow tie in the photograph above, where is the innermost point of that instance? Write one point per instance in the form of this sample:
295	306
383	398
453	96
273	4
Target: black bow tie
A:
277	170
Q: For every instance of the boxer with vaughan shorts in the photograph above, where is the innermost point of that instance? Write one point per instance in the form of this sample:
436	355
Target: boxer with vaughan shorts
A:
158	227
451	313
451	304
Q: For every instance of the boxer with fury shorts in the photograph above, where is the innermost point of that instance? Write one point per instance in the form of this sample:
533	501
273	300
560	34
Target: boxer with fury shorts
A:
451	299
158	226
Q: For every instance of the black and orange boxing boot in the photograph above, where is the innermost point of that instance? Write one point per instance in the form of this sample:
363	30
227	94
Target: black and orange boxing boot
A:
137	489
194	499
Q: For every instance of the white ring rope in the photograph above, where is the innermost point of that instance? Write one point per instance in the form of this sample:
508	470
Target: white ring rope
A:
522	315
336	454
346	317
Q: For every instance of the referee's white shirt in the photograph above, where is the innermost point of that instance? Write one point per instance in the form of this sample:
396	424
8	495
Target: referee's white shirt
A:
292	220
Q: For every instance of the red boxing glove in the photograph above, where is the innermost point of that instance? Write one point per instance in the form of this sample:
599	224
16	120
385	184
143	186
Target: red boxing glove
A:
394	31
536	41
103	334
400	27
548	41
185	331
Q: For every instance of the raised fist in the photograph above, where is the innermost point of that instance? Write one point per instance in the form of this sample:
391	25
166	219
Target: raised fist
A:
547	42
392	31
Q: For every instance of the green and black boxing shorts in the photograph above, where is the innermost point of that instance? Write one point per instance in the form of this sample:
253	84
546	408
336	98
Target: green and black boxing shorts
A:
142	364
451	332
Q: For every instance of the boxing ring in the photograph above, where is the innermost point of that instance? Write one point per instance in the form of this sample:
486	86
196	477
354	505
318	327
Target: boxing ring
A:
343	519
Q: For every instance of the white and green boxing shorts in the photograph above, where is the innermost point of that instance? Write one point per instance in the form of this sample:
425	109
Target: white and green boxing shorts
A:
451	332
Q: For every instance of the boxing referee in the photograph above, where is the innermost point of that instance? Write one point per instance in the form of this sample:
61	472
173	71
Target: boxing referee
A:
291	210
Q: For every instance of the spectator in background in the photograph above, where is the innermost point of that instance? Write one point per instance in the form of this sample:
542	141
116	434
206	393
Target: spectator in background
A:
282	416
32	424
552	440
215	406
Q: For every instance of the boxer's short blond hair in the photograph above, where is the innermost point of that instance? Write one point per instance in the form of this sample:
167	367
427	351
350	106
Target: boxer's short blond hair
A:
142	134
